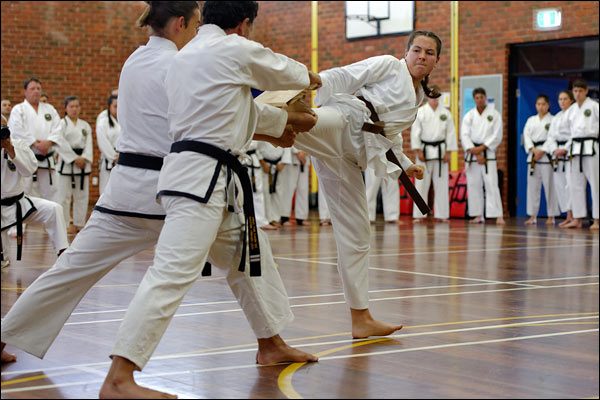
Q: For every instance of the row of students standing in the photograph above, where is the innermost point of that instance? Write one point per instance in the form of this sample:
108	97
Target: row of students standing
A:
563	157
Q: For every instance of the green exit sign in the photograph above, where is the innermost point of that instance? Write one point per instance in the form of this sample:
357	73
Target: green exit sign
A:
547	19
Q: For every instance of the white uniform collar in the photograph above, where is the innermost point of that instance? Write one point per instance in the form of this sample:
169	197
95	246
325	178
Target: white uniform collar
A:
211	29
160	43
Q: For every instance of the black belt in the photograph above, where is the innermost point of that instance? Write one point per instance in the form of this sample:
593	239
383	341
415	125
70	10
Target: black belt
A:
82	174
140	161
40	157
564	159
582	141
391	157
251	167
9	201
273	176
232	163
533	162
470	157
437	144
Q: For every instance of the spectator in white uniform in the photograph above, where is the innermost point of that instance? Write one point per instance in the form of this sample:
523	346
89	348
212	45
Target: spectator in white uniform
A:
582	118
390	196
108	131
432	137
481	134
539	161
556	145
38	124
75	164
6	108
18	163
294	179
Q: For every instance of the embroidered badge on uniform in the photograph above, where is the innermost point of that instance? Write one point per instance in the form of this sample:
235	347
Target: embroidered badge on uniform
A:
443	117
490	118
11	166
84	132
547	126
587	113
48	117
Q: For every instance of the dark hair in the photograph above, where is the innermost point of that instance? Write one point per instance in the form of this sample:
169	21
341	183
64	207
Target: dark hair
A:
580	83
429	92
26	82
228	14
568	93
110	100
69	99
543	96
479	90
158	13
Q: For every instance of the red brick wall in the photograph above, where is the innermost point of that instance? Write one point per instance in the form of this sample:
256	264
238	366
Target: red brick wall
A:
486	30
73	47
79	47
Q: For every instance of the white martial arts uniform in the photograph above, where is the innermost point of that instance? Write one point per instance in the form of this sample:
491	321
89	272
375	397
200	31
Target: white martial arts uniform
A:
476	129
73	182
390	193
558	137
434	133
27	124
107	137
584	151
272	182
340	149
217	71
294	178
322	200
15	171
540	172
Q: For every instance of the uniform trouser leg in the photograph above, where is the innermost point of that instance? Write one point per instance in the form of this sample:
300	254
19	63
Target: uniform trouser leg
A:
475	174
372	184
191	229
259	198
39	314
578	180
323	209
351	228
562	189
493	201
441	202
64	195
390	194
270	202
289	183
422	186
549	192
50	214
5	244
104	176
301	208
44	188
80	202
534	188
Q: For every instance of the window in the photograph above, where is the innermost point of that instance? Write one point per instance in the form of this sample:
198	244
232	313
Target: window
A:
378	18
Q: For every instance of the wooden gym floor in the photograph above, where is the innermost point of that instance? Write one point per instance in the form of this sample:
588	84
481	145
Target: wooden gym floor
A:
487	311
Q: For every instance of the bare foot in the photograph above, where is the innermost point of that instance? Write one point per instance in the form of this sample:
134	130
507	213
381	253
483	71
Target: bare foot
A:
476	220
531	221
363	325
574	224
595	226
326	222
550	221
130	390
269	227
8	358
565	222
119	383
417	220
274	350
500	221
442	220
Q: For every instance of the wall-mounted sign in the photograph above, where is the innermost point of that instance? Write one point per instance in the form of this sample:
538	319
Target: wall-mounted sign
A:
547	19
